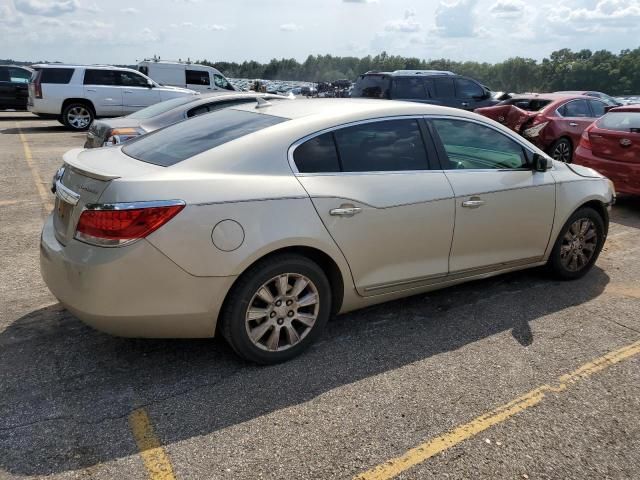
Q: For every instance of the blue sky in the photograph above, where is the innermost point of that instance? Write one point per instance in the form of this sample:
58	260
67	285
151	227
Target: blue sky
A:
123	31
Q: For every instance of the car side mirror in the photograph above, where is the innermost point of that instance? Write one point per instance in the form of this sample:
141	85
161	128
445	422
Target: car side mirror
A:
149	85
541	163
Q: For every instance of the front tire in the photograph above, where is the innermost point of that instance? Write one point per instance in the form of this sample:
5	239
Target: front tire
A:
277	309
562	150
578	245
77	116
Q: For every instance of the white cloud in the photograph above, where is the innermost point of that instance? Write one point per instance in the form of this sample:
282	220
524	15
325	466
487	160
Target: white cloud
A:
408	24
360	1
456	18
9	18
607	15
47	8
216	28
290	27
130	10
507	9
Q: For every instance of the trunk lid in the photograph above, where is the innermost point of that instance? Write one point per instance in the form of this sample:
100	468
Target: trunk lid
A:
508	115
87	173
615	145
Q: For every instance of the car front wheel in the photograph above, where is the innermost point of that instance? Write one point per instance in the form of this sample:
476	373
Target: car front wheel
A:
277	309
578	245
77	116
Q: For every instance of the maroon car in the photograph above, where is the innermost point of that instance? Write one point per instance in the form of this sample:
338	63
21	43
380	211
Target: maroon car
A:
553	122
611	145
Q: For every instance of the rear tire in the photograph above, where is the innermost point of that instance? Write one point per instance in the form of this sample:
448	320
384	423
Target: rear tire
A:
276	309
77	116
562	150
578	245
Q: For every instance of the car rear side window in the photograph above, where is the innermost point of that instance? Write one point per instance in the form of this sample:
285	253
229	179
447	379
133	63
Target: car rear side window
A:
469	145
56	75
197	77
620	122
372	86
171	145
413	88
390	145
100	77
317	155
4	74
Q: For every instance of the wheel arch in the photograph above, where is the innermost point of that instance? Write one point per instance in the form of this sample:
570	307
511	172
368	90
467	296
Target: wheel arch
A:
84	101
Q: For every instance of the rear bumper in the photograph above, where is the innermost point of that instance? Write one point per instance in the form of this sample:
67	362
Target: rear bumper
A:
132	291
624	175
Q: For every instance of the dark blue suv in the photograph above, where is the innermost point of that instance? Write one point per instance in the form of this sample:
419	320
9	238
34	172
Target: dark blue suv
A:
427	86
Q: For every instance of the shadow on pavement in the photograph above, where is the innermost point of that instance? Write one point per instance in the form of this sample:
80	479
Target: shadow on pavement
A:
29	130
626	211
68	390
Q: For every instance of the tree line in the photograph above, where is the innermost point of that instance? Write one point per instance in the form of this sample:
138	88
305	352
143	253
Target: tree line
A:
616	74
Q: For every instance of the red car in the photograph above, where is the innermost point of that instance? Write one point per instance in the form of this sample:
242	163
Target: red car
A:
611	145
554	122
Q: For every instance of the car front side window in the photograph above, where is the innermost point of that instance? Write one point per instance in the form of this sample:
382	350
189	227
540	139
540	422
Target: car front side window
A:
130	79
575	108
469	145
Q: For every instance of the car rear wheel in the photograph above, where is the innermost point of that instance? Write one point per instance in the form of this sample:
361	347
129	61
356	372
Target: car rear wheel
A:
77	116
562	150
578	245
277	309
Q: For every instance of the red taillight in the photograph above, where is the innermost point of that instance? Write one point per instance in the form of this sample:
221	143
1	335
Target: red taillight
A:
37	84
115	227
585	142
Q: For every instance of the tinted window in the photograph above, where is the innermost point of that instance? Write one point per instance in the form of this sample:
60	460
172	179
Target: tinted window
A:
575	108
372	86
144	70
530	105
470	145
443	87
621	122
221	82
409	88
100	77
468	88
382	146
196	77
56	75
317	155
130	79
4	74
168	146
19	75
597	108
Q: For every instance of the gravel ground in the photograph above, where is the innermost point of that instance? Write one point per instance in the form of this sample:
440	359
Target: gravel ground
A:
381	381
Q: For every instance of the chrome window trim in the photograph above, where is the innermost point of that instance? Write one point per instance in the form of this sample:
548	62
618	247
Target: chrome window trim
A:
291	150
571	101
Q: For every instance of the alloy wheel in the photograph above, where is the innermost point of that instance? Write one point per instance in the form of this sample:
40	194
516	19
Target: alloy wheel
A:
578	245
79	117
282	312
562	152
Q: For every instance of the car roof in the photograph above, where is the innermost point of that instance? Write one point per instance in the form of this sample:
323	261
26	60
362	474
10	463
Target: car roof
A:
548	96
349	109
227	95
626	108
411	73
16	66
96	67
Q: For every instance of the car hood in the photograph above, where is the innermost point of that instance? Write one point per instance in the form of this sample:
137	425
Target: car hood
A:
584	171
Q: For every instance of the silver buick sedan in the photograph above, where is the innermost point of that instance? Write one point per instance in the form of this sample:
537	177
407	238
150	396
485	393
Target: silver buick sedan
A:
259	222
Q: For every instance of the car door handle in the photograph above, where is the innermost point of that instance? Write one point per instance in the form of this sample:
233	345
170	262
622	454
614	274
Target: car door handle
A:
573	124
91	89
128	91
475	202
345	211
465	104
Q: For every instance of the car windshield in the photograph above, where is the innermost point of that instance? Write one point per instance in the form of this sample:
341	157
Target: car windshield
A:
528	104
173	144
372	86
162	107
621	122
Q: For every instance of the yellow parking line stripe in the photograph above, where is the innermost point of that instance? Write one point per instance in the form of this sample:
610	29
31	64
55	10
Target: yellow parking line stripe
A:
42	191
8	203
155	458
434	446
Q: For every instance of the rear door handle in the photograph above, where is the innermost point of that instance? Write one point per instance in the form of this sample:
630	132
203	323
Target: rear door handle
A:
344	211
91	89
465	104
475	202
128	91
573	124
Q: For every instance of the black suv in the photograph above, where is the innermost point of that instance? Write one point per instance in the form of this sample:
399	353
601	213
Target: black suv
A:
14	84
427	86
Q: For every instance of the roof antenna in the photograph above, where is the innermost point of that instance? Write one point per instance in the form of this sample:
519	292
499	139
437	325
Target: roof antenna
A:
262	103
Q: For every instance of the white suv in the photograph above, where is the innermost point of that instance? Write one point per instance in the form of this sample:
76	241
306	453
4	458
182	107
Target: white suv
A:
76	94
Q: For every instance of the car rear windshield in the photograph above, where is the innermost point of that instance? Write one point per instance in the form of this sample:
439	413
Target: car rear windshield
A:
528	104
171	145
56	75
162	107
621	122
372	86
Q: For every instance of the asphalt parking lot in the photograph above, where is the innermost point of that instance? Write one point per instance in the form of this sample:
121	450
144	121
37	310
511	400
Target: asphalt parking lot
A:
516	377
